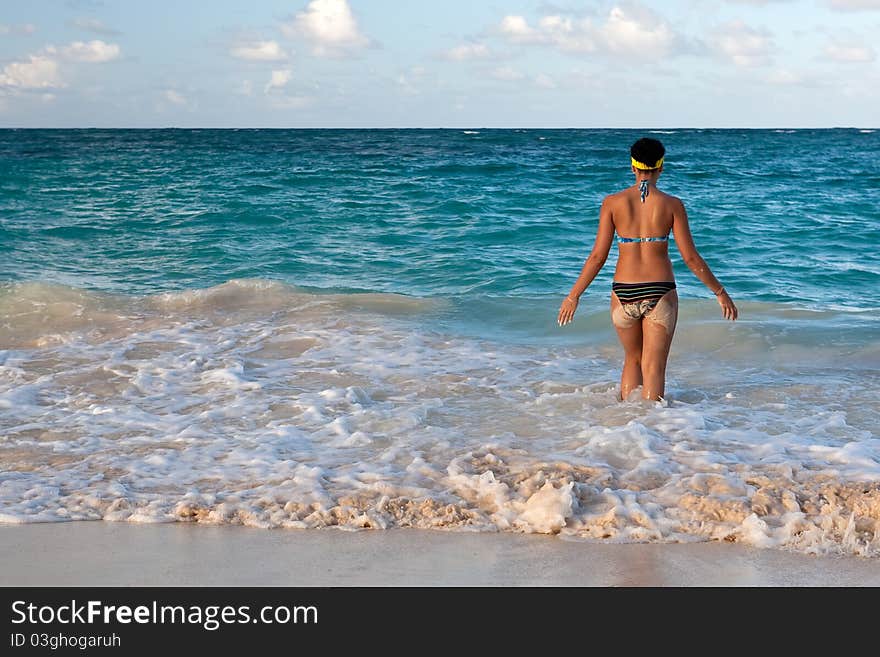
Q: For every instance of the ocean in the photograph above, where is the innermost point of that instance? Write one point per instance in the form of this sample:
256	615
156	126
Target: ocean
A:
357	329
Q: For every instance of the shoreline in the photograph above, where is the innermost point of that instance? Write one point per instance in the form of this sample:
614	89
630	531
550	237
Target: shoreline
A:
183	554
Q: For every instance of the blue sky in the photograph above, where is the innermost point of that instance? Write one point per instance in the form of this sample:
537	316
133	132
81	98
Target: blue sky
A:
457	63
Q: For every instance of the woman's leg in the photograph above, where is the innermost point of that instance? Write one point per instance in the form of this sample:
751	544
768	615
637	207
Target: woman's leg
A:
629	331
658	328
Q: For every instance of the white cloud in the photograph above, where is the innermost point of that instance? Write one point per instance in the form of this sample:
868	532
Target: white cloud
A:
259	51
409	81
246	88
172	100
329	25
545	81
567	34
43	69
516	27
743	45
784	77
507	74
574	36
625	33
642	35
849	53
278	80
276	91
92	52
25	28
468	51
174	97
93	25
854	5
35	72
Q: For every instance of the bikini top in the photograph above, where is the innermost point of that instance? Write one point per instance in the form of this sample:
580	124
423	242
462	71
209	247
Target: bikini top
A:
627	240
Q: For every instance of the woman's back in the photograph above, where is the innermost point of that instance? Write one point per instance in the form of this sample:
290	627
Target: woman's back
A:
644	301
643	228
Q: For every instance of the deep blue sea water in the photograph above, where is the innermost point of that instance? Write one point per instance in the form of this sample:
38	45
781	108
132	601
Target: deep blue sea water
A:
357	327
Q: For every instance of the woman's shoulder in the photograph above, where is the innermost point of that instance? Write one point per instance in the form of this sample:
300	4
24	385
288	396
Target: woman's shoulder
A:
672	200
615	196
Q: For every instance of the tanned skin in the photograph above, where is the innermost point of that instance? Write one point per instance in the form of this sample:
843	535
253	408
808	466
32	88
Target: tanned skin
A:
646	341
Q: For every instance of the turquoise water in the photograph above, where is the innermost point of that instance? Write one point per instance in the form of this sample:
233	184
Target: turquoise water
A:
783	216
310	328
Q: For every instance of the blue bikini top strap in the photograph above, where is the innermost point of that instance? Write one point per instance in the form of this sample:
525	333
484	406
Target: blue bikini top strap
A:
627	240
644	189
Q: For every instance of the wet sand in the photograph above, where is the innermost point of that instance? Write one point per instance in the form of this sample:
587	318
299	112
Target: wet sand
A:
120	554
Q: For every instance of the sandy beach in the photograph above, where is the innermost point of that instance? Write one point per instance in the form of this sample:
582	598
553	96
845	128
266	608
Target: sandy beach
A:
121	554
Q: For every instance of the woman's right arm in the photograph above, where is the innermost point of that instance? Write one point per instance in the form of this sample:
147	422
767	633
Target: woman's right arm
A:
592	265
685	243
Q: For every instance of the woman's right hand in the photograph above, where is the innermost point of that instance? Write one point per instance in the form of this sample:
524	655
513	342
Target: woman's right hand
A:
728	308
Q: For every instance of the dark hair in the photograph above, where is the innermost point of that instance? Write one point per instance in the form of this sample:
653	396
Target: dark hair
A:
647	150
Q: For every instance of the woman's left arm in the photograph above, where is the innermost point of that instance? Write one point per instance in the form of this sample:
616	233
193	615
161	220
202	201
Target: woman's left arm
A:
593	264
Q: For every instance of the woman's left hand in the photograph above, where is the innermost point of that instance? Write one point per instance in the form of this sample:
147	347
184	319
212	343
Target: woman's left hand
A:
566	311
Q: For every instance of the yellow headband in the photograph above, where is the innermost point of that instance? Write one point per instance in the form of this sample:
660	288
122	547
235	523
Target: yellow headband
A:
646	167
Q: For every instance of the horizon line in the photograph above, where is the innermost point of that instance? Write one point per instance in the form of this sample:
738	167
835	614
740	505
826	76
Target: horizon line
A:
464	127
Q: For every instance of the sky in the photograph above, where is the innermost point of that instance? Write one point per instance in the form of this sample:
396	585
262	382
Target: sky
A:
455	63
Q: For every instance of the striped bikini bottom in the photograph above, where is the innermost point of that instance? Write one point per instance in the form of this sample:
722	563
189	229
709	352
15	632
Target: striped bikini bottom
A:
638	299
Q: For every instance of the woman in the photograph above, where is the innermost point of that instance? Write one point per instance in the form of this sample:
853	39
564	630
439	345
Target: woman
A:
644	303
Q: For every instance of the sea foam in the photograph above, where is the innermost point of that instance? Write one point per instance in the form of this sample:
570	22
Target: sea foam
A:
262	404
